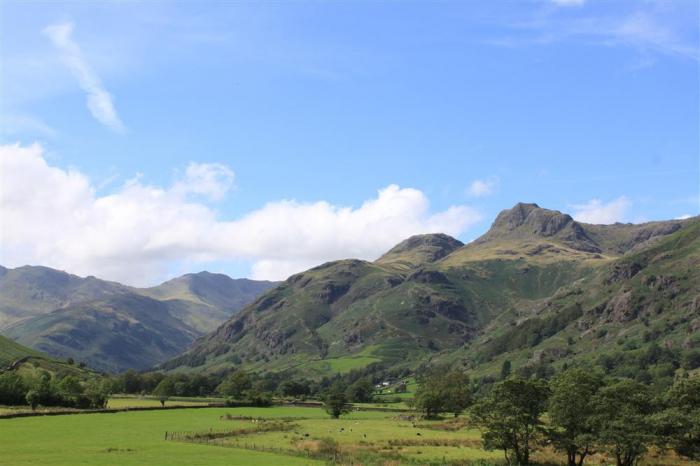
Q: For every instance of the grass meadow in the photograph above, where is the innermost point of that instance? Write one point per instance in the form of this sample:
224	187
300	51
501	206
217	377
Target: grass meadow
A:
253	436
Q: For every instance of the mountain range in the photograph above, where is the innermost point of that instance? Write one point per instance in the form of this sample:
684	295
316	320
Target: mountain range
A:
114	327
537	288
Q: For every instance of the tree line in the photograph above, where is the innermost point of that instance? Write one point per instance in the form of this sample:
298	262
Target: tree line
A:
238	386
47	389
578	412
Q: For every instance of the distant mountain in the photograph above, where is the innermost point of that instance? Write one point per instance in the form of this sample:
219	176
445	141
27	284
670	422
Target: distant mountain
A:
112	334
113	327
215	296
30	291
431	298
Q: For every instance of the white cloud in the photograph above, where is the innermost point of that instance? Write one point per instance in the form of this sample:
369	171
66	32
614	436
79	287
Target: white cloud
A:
55	217
99	101
597	212
684	217
212	180
568	2
481	188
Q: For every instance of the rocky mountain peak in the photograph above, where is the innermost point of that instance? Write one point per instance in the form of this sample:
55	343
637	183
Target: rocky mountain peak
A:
526	220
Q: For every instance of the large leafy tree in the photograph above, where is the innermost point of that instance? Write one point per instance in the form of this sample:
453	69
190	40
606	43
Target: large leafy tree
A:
572	413
236	385
361	391
441	391
622	420
678	425
510	418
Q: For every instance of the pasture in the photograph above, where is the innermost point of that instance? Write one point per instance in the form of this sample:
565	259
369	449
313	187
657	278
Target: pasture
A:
245	436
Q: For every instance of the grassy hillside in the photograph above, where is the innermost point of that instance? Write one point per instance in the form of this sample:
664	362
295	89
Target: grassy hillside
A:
624	310
11	351
30	363
110	326
536	278
121	332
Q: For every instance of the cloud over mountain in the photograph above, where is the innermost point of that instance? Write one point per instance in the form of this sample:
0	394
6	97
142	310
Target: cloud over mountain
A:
56	217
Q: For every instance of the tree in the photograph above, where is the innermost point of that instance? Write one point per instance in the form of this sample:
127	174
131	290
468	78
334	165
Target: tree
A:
12	389
33	398
572	413
505	369
361	391
622	420
70	390
440	391
235	385
678	426
164	390
510	418
97	393
458	396
294	388
335	403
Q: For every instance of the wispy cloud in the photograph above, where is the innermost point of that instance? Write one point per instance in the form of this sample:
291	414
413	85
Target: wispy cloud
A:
648	29
24	124
99	101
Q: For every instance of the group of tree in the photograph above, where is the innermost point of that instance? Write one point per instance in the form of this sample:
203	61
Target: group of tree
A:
46	389
442	391
585	411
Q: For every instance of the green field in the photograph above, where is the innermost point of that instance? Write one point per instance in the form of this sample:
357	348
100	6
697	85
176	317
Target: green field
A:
130	438
146	402
254	436
137	438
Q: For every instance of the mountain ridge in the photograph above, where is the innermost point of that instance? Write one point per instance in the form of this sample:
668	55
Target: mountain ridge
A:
352	313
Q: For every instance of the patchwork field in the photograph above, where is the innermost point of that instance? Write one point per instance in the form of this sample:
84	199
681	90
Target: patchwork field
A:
247	436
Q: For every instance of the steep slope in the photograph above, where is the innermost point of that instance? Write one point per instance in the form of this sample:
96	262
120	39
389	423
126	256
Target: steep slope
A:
427	298
113	334
29	291
625	311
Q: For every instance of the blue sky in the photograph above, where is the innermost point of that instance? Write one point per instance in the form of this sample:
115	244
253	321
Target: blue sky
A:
296	112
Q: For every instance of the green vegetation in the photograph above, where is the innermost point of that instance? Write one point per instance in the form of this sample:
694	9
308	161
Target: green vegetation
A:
11	351
511	418
130	438
443	391
538	290
112	327
335	402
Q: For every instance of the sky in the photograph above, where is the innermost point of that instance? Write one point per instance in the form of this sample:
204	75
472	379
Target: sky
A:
143	140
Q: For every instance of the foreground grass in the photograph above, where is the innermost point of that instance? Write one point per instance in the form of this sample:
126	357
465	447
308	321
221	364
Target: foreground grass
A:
137	438
130	438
